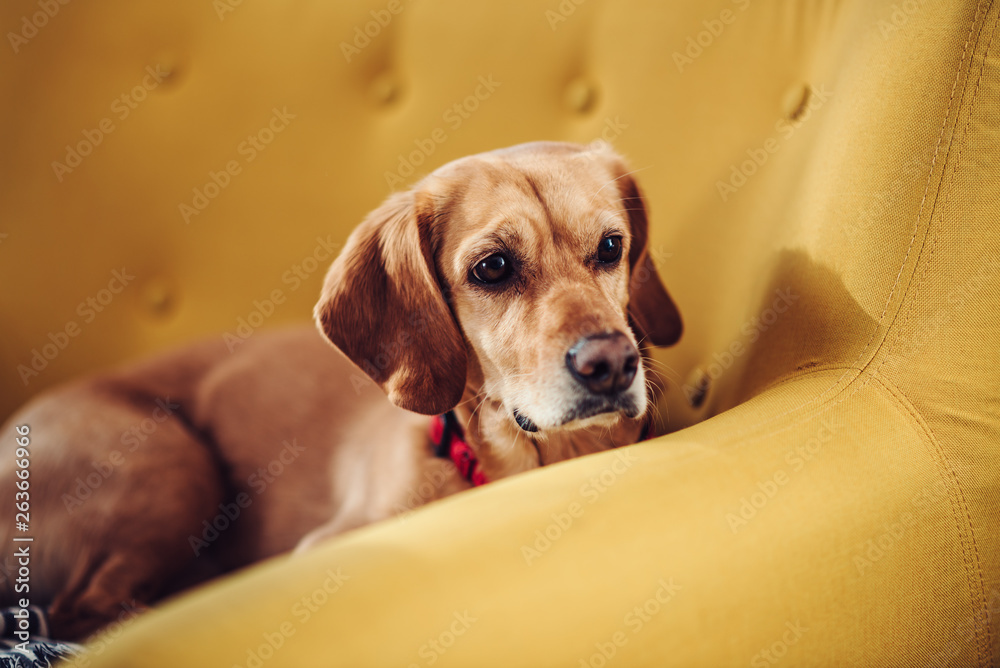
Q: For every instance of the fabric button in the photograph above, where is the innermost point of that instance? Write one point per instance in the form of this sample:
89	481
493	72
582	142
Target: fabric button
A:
384	89
795	101
580	96
157	297
696	388
165	67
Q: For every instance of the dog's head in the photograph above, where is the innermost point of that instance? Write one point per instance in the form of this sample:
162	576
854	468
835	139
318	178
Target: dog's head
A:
521	275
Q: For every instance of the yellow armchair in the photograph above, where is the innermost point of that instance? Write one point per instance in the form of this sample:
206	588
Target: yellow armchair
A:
823	186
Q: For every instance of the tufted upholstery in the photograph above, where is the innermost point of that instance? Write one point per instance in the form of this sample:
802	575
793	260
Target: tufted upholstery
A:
822	180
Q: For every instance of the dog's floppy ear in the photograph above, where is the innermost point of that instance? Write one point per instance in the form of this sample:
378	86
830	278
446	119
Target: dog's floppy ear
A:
383	307
652	312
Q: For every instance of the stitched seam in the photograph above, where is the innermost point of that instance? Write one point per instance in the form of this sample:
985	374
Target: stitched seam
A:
937	148
805	373
848	392
937	453
983	637
923	199
916	229
955	493
973	562
959	509
959	141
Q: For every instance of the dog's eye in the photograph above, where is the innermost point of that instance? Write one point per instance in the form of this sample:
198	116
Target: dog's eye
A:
609	250
493	269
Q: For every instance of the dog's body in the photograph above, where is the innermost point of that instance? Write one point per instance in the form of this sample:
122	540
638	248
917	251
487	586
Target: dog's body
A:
502	287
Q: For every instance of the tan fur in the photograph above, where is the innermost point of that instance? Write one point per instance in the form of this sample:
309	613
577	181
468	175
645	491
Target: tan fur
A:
400	306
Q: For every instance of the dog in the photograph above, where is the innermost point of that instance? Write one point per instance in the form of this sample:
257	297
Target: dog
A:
492	319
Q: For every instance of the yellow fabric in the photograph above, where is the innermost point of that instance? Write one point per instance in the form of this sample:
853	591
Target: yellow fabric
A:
842	504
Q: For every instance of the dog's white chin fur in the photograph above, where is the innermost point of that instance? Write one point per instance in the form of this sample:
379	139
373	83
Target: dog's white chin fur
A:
599	420
552	401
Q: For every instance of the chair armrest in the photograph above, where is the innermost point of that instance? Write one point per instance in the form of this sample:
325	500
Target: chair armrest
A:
811	525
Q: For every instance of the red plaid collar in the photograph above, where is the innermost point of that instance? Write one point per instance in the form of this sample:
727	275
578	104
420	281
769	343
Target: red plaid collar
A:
446	434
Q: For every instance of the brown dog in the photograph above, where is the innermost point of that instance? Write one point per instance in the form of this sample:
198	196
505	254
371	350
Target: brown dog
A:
507	287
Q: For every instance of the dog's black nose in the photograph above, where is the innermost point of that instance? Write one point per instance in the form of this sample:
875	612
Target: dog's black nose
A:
604	363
